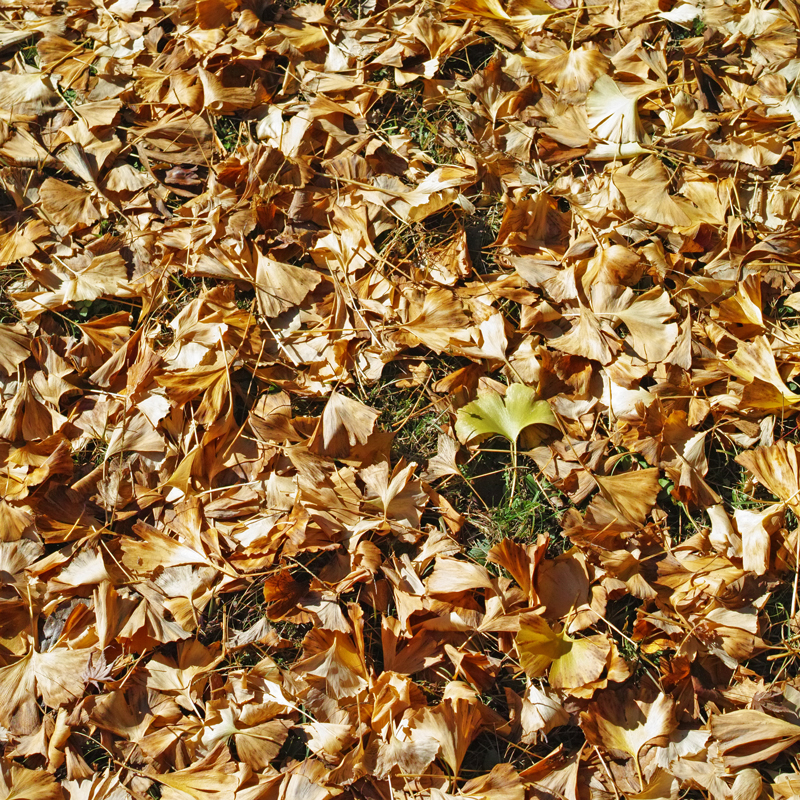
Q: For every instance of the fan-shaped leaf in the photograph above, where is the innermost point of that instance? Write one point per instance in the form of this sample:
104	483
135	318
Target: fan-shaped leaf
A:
493	415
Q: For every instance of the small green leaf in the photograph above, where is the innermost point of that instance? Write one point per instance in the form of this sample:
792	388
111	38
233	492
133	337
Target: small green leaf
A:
492	414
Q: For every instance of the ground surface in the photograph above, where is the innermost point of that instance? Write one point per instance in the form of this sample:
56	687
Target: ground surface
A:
399	401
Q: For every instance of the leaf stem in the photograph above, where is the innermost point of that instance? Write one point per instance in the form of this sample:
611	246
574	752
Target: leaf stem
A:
513	468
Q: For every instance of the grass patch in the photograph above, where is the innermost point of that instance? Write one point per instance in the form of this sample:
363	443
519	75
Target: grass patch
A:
87	310
294	749
727	477
781	661
530	513
417	439
678	33
29	53
434	124
621	614
406	411
8	277
239	611
482	228
90	455
229	131
470	59
95	754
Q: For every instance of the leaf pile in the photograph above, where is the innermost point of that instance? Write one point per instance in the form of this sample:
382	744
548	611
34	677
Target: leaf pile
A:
229	229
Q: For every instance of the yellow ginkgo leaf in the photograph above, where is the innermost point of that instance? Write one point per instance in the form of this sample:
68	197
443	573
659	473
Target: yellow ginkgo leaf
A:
570	663
493	415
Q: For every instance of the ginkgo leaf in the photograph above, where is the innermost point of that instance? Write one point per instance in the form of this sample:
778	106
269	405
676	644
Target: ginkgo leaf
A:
397	496
438	320
450	575
527	15
257	735
755	361
154	548
747	785
444	462
412	751
56	676
751	737
612	109
19	783
777	467
334	663
66	204
520	561
345	424
212	778
632	493
645	316
647	195
281	286
27	92
502	783
573	70
590	337
454	723
625	725
683	14
184	678
755	528
493	415
570	663
541	711
327	739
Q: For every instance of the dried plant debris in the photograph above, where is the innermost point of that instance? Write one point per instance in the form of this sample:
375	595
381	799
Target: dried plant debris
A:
398	400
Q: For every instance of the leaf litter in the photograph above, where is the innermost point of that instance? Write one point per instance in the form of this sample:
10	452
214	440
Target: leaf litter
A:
230	231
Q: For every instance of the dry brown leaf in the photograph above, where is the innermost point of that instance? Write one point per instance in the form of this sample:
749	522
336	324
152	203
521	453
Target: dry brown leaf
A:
20	783
66	205
27	93
645	316
212	778
57	676
438	320
777	468
280	287
633	494
624	726
345	424
755	528
750	736
646	192
257	265
454	723
747	785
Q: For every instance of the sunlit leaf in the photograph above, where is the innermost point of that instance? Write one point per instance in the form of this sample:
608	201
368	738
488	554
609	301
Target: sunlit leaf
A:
493	415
